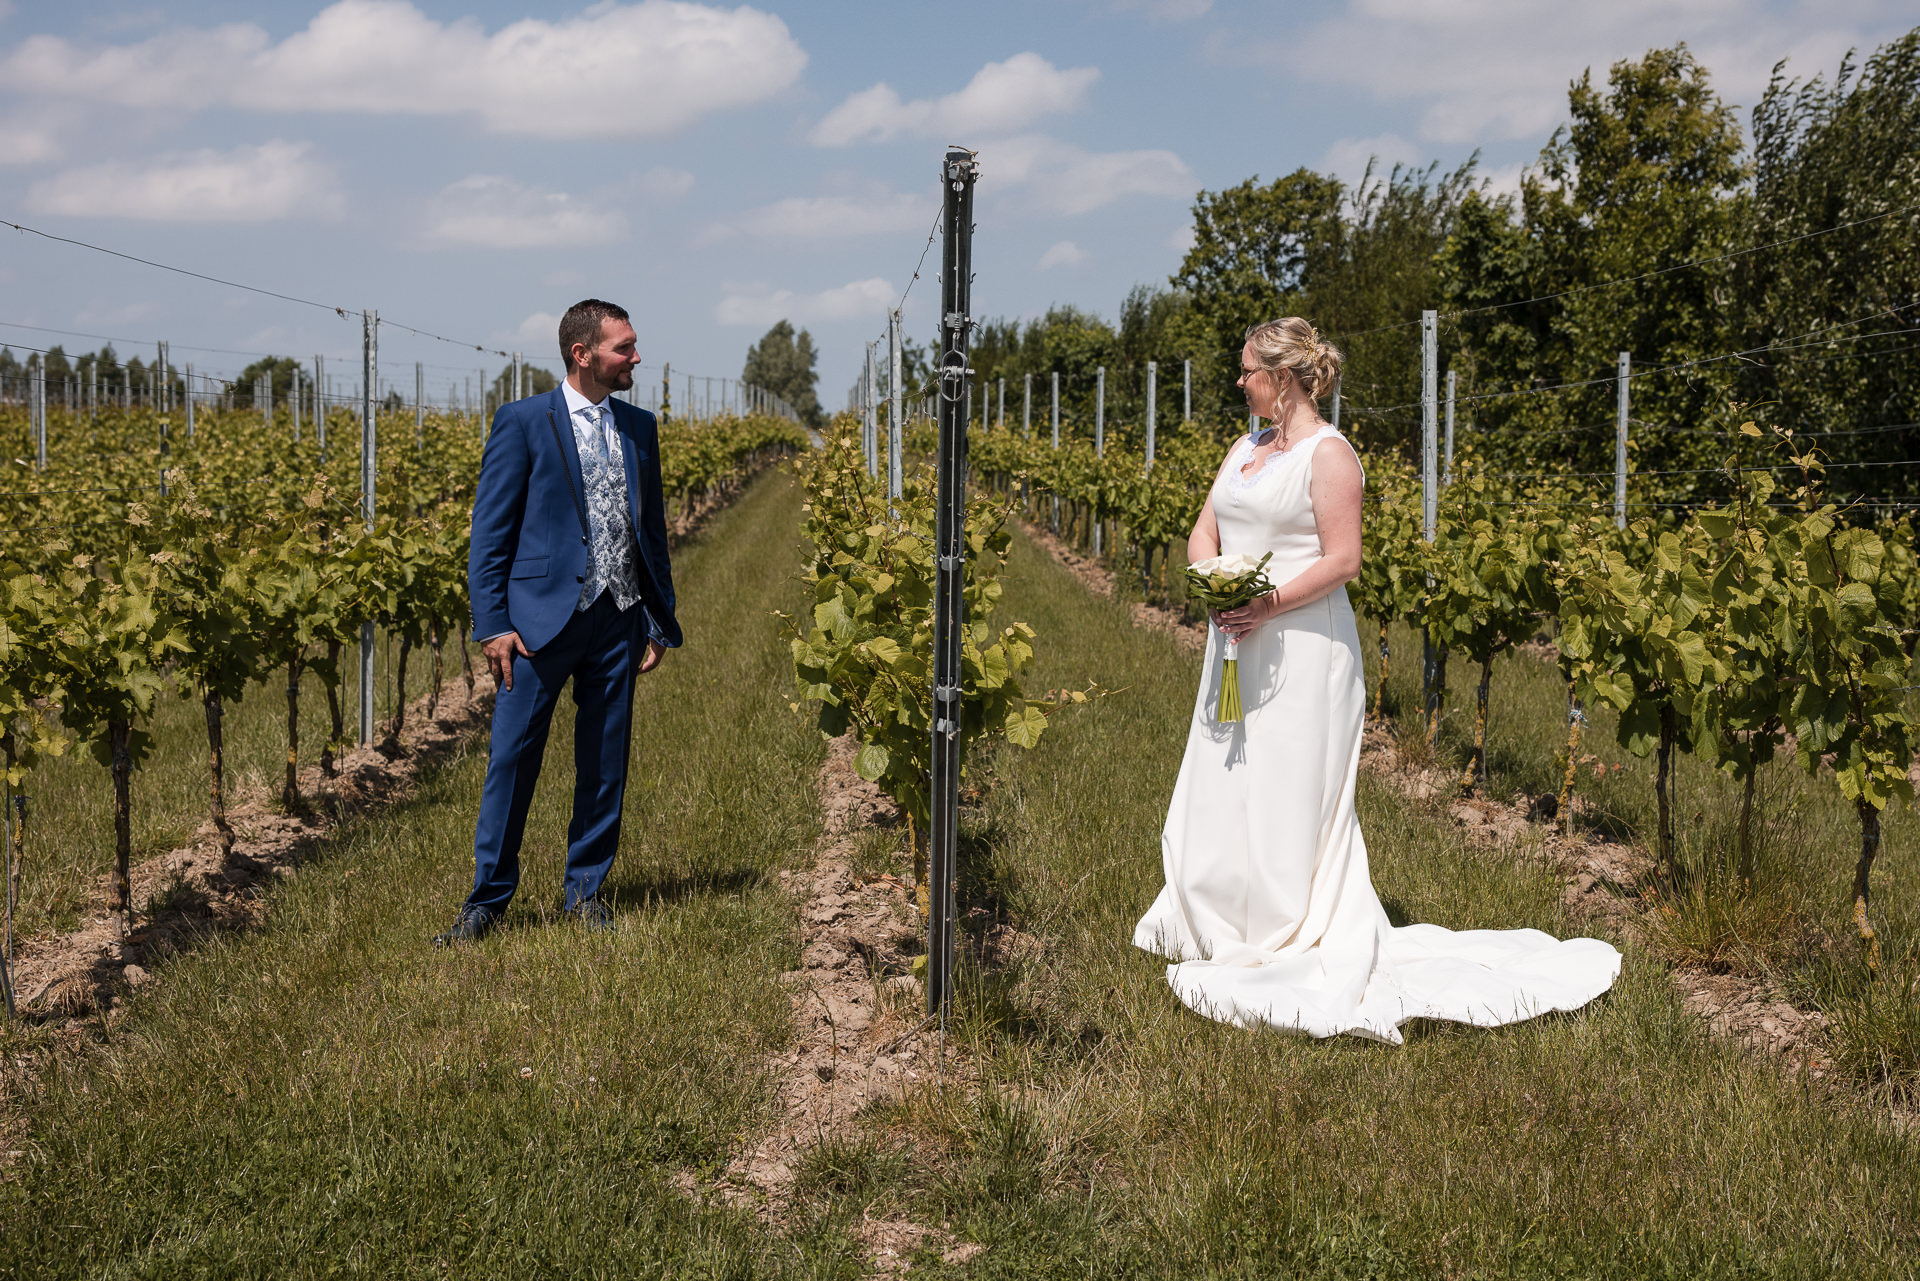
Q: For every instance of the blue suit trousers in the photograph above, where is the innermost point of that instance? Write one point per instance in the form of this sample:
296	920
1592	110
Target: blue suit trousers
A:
600	648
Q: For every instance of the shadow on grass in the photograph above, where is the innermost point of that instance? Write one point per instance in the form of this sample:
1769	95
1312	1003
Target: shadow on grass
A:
646	888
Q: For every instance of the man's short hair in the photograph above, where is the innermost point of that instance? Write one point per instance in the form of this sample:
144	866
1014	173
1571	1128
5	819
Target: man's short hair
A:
582	324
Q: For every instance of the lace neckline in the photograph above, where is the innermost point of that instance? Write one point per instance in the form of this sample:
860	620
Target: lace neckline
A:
1240	478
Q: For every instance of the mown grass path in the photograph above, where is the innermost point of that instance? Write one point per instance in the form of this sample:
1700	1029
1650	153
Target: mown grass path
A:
1120	1135
330	1095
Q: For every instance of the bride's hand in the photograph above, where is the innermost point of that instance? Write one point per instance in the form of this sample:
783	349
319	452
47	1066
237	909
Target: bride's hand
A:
1236	623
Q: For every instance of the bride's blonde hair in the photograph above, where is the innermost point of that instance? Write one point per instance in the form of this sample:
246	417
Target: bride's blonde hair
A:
1293	345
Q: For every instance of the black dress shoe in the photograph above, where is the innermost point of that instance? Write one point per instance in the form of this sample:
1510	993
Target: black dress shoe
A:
473	925
589	913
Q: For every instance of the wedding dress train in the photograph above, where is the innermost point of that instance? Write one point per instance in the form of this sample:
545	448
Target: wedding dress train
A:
1269	913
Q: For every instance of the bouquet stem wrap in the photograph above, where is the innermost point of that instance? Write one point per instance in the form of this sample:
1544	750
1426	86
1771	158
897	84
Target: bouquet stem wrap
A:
1230	709
1228	582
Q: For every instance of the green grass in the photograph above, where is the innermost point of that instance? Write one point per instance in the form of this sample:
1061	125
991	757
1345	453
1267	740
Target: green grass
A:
1116	1134
330	1095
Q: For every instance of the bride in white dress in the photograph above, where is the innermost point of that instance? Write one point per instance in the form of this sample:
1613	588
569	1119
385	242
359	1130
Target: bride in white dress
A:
1269	914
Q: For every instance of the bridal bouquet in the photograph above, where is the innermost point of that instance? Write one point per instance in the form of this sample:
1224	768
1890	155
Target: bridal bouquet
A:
1228	582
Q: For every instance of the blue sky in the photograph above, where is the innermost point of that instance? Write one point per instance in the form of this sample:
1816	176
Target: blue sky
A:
470	167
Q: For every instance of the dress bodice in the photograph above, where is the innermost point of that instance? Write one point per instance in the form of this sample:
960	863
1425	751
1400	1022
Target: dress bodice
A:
1270	509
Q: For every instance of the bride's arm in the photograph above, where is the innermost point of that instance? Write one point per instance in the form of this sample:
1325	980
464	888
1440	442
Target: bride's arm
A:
1203	542
1336	489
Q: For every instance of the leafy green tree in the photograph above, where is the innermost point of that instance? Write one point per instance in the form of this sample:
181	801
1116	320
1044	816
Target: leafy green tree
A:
1358	262
783	363
280	368
535	380
1647	177
1256	248
1828	153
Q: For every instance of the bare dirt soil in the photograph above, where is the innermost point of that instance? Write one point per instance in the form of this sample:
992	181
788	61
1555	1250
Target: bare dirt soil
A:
859	1010
193	890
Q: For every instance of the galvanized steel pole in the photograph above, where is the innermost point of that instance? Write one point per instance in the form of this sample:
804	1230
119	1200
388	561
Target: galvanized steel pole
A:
1620	441
1151	398
1433	658
370	375
1429	424
1055	403
896	408
1099	444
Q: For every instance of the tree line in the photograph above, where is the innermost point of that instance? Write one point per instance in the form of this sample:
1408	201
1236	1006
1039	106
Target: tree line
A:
1776	263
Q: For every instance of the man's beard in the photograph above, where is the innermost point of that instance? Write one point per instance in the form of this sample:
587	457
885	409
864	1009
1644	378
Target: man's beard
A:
620	379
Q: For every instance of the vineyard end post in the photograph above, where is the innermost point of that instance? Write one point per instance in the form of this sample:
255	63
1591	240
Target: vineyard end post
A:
1053	411
370	358
958	172
1429	425
1433	659
1620	441
1151	398
1335	419
1100	411
897	406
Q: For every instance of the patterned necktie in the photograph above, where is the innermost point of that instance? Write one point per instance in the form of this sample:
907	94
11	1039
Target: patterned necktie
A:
600	415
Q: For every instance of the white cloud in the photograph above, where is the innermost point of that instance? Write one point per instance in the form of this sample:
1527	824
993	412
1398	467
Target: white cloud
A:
1002	96
663	183
1063	254
876	211
1483	71
494	212
1167	10
1503	181
542	327
761	305
248	184
25	145
1349	158
1062	178
615	70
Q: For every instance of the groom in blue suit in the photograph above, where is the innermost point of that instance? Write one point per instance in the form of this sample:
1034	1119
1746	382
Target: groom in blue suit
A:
568	577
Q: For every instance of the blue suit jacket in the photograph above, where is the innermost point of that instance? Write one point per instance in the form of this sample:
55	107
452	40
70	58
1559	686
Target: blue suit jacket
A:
529	552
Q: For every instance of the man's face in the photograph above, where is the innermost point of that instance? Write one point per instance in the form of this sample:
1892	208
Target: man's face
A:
612	360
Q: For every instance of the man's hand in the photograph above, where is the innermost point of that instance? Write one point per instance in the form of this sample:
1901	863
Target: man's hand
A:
500	651
655	652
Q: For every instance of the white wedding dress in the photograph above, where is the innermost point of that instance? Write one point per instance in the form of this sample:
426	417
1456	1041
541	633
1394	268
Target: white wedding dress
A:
1269	912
